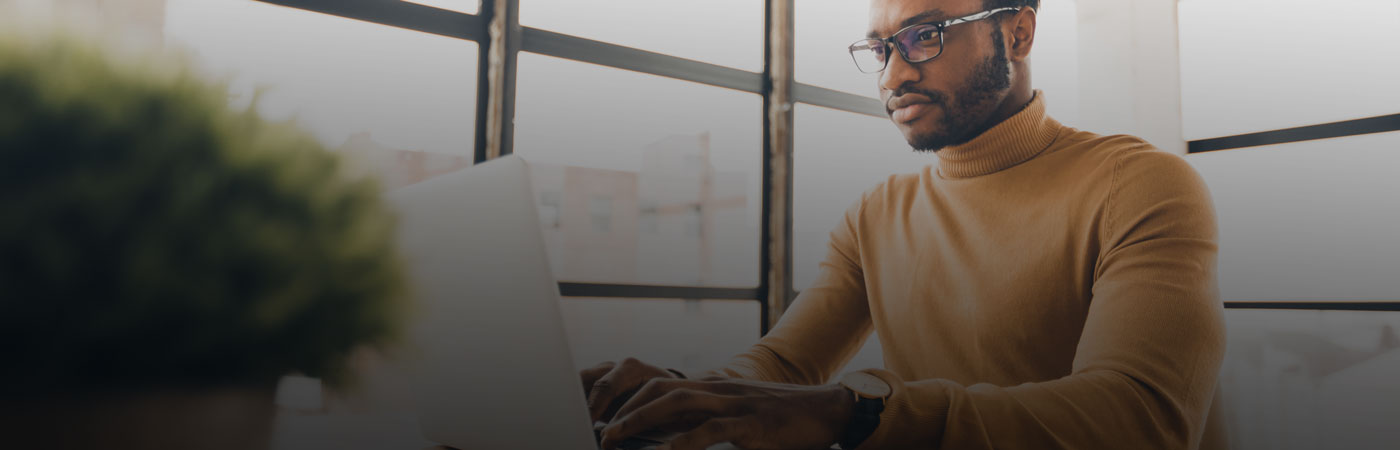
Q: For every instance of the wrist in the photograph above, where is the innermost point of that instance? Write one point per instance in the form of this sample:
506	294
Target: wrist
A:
868	394
843	408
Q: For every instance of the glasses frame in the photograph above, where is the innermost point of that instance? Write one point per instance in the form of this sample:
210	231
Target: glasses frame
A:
941	25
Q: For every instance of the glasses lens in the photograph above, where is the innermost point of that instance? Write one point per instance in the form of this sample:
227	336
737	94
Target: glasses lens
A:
870	55
920	43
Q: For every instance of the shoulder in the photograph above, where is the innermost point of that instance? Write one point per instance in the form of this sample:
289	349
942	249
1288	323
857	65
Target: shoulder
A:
1151	185
1131	162
1138	183
1146	170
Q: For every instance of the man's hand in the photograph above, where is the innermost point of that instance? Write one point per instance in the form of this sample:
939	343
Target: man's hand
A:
609	385
748	414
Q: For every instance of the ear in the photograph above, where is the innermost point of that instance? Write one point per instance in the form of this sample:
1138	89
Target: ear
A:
1022	35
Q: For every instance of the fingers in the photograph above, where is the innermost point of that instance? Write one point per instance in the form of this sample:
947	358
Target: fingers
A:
649	392
591	375
677	406
713	431
617	385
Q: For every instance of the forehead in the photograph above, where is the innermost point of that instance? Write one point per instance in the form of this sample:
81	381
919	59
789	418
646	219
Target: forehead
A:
888	16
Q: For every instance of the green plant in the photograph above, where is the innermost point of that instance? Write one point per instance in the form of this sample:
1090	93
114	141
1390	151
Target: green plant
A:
151	236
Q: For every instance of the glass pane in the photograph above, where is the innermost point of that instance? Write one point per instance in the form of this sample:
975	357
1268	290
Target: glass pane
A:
466	6
826	27
1308	221
724	32
1289	64
136	24
642	179
402	103
836	157
689	335
1297	380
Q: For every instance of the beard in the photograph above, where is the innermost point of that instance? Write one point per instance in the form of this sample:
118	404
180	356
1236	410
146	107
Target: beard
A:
968	114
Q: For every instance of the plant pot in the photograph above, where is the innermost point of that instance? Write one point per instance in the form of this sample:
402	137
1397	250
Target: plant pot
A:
186	419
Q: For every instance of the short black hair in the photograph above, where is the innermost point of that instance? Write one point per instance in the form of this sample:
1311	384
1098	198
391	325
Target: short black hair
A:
991	4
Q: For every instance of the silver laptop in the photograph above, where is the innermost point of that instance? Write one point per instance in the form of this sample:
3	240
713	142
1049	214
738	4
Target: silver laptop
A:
493	369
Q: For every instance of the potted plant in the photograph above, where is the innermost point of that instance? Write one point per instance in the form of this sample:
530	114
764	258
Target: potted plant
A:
165	259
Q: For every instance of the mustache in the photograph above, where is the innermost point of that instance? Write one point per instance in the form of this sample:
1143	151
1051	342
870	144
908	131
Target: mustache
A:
934	97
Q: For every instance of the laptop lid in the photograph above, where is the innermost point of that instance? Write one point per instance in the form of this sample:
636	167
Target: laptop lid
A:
493	369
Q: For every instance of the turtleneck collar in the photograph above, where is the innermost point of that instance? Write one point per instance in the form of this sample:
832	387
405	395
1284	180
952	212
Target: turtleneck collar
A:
1011	142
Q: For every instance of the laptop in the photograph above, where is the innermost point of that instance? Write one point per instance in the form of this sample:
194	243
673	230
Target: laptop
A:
493	368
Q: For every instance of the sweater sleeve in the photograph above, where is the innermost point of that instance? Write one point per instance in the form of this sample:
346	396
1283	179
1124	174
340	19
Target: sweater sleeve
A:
825	325
1146	364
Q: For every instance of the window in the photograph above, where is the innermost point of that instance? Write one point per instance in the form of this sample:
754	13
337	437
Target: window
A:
1290	64
466	6
1307	221
688	152
824	29
675	142
1296	380
1303	192
549	210
600	210
401	103
724	32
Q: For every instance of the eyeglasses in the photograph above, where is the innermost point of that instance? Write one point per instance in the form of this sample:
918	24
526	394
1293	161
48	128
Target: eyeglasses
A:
916	43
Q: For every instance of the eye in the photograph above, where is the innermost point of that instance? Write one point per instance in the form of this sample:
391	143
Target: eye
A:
926	35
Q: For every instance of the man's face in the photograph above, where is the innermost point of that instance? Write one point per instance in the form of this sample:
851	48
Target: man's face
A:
950	99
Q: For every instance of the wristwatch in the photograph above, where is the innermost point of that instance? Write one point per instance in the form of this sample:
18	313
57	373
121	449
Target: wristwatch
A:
869	393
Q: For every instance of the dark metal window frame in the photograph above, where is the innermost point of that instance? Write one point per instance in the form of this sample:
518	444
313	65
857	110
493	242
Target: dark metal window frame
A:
496	28
1345	128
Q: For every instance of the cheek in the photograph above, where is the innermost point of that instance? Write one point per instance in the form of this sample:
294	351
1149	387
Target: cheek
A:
945	77
950	73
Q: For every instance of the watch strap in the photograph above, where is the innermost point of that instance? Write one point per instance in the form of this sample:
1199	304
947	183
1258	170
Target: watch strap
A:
865	418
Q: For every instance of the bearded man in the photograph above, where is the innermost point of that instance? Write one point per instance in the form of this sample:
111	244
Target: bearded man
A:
1039	287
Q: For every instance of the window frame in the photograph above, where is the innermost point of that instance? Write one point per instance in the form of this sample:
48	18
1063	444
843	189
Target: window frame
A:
1345	128
496	28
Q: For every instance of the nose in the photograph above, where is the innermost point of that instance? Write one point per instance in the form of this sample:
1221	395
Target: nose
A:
898	72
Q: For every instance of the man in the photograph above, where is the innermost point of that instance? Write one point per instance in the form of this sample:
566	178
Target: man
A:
1039	287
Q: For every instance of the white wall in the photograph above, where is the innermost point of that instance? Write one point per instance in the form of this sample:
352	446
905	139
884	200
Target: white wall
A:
1129	81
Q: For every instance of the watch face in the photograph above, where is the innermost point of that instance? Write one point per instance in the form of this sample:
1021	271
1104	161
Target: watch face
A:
866	385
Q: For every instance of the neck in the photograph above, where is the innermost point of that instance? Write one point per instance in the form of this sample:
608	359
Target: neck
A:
1013	140
1021	95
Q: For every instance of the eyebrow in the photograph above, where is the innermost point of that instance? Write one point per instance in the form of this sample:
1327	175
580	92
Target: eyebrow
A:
923	17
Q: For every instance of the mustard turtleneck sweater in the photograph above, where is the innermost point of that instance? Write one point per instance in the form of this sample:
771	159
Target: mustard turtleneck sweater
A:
1042	287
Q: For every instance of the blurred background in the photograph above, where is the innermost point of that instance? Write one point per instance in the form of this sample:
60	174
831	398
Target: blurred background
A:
648	125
